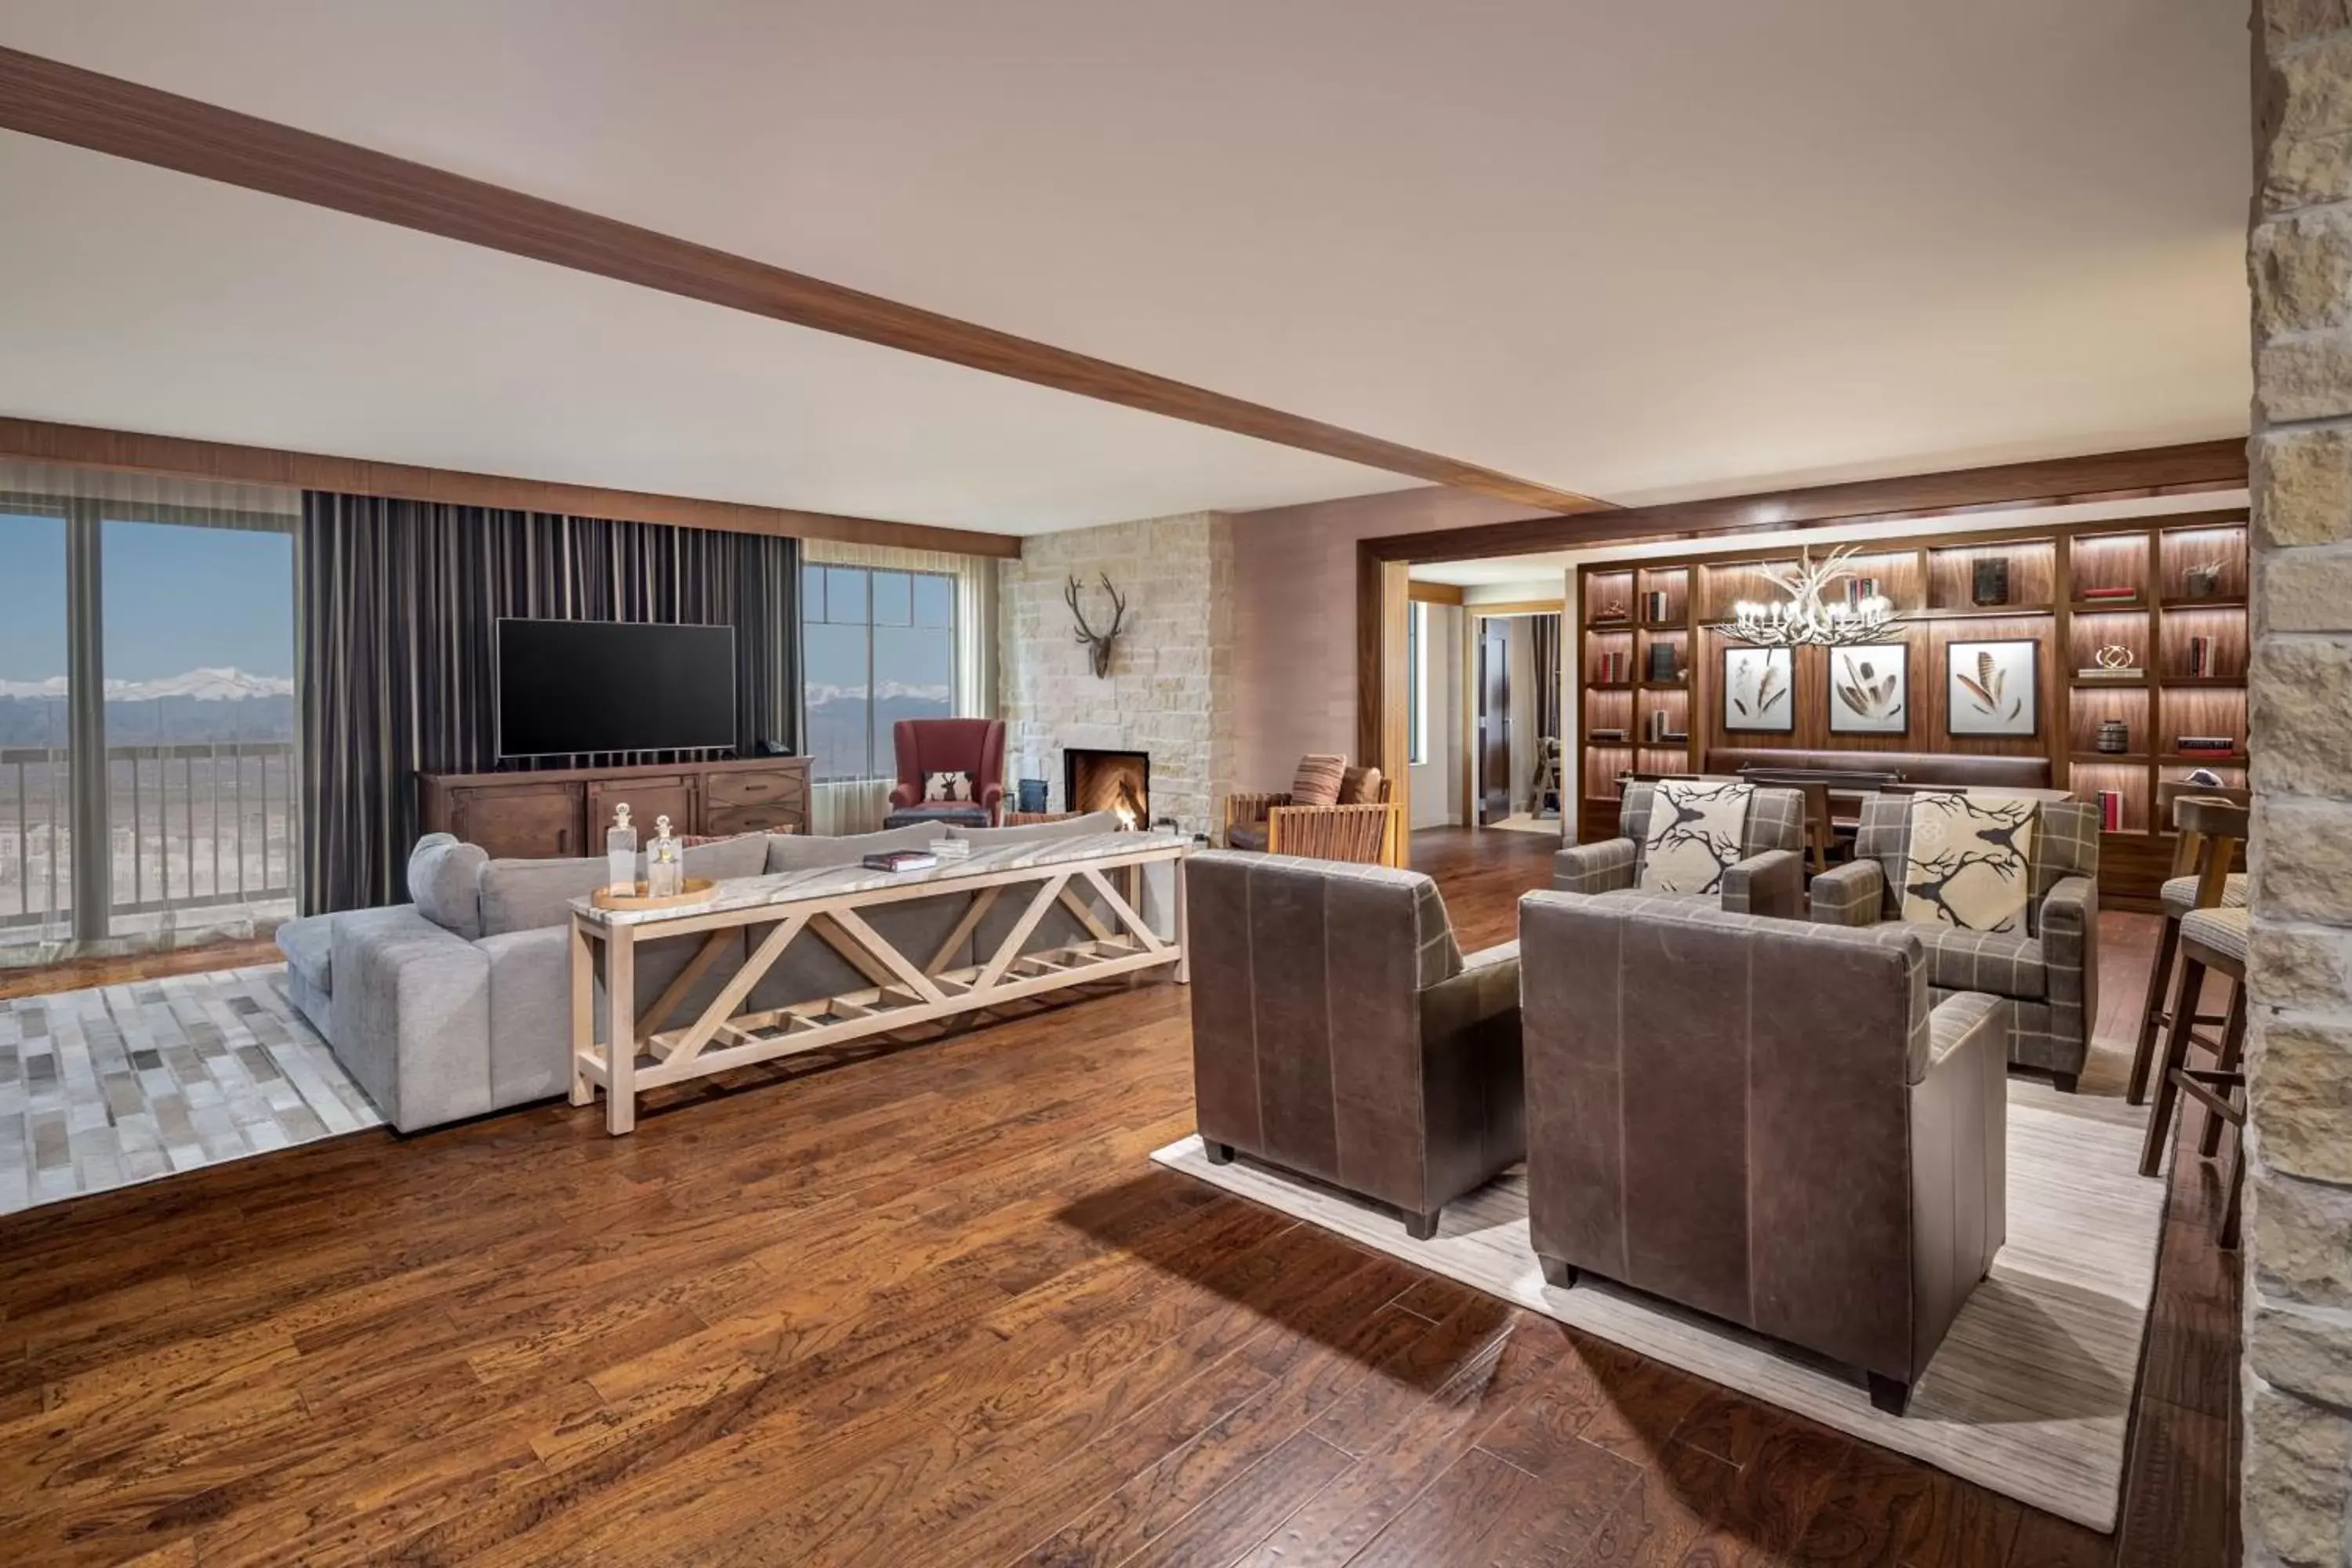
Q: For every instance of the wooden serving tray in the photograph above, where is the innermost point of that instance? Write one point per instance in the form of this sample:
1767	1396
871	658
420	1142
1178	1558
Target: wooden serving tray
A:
697	889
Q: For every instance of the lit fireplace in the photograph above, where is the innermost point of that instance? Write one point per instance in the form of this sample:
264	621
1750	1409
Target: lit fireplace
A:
1109	781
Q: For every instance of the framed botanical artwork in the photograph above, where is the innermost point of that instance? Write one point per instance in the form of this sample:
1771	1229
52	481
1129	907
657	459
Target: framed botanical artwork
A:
1870	688
1991	688
1759	691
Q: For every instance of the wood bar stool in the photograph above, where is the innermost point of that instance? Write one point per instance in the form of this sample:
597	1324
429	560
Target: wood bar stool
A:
2210	825
2212	940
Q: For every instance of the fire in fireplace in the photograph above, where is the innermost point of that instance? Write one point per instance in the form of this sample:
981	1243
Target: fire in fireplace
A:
1109	781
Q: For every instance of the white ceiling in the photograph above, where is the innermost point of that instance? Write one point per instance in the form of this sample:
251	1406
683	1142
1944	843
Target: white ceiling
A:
1641	251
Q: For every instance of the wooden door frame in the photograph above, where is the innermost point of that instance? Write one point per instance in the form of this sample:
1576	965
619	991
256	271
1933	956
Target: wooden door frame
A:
1384	565
1472	616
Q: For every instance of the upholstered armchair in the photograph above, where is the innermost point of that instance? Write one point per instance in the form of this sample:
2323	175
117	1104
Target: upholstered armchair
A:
974	747
1765	877
1338	1031
1364	824
1763	1120
2049	967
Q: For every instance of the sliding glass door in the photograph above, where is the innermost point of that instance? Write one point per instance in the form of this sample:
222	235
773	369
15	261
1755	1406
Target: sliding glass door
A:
146	721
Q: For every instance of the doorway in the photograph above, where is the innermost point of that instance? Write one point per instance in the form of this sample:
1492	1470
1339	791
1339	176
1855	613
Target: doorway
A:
1494	721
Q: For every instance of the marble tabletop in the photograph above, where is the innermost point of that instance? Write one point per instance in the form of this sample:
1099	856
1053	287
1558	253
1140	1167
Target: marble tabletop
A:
786	888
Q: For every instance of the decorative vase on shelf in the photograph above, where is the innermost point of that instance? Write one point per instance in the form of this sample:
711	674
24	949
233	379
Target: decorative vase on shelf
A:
2205	582
2115	737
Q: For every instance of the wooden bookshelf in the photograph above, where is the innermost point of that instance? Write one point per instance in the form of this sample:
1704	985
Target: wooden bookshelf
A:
2170	590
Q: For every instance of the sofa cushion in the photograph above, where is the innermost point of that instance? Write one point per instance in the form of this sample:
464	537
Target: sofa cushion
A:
1246	836
1317	782
444	883
1028	832
524	895
1998	963
1693	835
309	944
808	852
723	859
1970	862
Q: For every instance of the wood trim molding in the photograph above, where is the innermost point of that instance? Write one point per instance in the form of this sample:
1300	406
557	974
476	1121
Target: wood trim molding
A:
1435	592
60	102
86	446
2145	471
1519	607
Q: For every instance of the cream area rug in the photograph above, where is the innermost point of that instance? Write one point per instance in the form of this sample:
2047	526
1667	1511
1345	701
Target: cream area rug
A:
2030	1393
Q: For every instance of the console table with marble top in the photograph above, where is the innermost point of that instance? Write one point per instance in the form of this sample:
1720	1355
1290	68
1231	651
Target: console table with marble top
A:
904	989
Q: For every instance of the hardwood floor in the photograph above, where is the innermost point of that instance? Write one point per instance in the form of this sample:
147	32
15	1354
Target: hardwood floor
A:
931	1305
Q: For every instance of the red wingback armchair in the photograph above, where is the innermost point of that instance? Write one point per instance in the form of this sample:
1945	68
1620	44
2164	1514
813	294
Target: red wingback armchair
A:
973	746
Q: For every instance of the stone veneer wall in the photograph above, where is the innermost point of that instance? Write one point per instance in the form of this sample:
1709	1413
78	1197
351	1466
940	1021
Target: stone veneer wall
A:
1171	690
2297	1505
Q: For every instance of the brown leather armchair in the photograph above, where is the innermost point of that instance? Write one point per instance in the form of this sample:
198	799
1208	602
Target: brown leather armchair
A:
1763	1120
1338	1031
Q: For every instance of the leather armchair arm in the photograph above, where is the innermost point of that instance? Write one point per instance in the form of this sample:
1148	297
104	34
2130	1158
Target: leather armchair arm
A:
1772	883
1486	989
1603	868
1849	895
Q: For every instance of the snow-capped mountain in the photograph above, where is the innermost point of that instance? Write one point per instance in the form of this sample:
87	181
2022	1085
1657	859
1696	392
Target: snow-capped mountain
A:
201	685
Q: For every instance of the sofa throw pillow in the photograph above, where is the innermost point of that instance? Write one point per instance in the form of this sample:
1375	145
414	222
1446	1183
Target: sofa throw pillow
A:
1694	834
1970	862
947	786
1318	779
1360	786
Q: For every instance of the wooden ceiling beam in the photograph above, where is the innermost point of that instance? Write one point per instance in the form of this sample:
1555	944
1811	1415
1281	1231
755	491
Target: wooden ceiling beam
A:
86	446
65	103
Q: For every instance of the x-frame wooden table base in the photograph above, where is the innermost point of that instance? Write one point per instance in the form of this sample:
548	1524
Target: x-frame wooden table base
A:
903	989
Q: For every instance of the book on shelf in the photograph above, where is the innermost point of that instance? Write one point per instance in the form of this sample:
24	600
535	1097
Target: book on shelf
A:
2107	593
2101	672
1662	663
1857	589
1606	737
1654	607
2111	810
1613	669
901	860
2200	657
2205	745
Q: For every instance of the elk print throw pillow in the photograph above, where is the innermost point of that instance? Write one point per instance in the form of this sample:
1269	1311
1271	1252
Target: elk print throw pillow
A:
1695	835
940	787
1970	864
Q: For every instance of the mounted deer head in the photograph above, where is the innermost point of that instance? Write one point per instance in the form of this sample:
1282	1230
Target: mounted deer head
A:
1097	644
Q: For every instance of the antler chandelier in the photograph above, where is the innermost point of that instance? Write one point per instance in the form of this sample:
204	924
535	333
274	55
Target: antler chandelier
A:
1809	616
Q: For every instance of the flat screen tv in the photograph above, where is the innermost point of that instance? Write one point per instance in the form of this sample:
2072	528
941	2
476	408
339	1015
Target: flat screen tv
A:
566	687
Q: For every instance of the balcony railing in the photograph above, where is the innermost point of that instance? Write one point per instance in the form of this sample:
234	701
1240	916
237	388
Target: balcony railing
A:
192	827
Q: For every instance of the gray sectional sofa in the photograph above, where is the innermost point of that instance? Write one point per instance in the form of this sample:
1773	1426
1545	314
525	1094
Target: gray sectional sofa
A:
458	1004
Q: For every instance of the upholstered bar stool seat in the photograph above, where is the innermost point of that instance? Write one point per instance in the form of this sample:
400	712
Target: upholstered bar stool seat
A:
2180	894
2224	930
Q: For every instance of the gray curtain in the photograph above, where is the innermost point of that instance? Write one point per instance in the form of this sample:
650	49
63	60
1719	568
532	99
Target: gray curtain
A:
395	620
1545	631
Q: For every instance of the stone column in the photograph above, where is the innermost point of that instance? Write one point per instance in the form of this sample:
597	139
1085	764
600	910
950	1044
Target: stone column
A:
2297	1504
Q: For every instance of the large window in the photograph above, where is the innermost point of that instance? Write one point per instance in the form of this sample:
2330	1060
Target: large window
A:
878	646
146	719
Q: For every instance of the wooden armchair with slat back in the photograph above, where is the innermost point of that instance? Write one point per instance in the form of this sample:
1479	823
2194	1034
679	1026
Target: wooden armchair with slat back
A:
1366	824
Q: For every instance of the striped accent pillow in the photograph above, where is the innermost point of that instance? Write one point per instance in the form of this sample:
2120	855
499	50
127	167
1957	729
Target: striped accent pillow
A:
1317	781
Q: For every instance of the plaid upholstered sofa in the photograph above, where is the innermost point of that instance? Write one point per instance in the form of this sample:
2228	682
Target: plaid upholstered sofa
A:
1768	878
2051	970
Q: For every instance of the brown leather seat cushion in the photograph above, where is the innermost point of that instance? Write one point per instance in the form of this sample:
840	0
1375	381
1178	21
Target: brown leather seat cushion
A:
1915	767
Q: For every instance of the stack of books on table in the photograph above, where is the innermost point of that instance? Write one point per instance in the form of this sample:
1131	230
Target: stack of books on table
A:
901	860
2205	745
2088	595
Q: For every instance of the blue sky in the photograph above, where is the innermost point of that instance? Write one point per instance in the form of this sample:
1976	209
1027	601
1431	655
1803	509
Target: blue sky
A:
176	599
